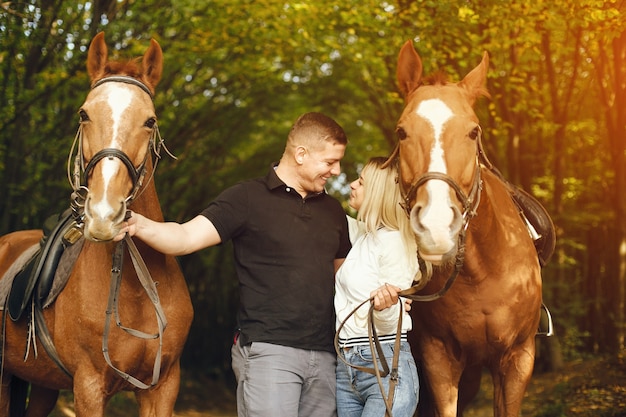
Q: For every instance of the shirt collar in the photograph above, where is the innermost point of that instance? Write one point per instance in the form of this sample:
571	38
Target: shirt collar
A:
274	182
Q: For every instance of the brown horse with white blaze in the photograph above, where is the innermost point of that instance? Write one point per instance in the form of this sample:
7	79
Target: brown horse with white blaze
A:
117	138
468	227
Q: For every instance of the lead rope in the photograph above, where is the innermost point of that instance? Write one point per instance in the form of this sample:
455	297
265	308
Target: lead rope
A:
393	375
377	353
112	308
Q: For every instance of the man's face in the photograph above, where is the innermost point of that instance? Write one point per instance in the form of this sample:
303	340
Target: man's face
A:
321	164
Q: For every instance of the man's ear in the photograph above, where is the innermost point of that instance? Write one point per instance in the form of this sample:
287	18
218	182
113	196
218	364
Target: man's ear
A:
299	154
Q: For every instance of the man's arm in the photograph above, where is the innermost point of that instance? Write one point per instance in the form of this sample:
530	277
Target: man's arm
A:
170	237
338	263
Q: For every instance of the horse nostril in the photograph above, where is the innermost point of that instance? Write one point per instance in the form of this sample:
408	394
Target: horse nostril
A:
416	223
120	215
457	221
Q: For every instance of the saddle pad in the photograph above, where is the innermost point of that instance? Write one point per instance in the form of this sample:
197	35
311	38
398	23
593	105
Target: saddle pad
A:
62	274
7	279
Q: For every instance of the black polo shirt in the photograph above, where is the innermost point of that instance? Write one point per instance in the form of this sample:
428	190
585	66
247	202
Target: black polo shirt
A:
284	247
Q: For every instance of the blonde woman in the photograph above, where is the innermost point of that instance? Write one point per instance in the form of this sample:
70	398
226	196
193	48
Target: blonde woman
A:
382	261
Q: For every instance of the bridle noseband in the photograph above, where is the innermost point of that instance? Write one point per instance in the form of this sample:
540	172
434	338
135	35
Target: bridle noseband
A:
135	173
469	202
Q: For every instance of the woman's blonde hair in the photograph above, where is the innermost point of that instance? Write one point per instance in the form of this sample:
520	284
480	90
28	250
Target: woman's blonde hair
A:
381	203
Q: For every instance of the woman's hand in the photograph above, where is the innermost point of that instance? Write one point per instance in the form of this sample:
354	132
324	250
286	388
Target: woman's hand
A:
385	297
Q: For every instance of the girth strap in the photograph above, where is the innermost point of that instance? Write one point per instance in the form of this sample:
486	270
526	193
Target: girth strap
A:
46	340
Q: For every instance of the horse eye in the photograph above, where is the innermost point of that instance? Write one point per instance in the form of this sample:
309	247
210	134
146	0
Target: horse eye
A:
475	133
84	117
150	123
401	133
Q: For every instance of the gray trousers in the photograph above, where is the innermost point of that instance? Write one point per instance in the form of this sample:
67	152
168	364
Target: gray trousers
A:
281	381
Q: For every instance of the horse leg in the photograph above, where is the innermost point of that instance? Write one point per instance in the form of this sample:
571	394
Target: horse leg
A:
5	392
160	400
41	401
425	404
443	372
511	379
89	394
14	392
469	387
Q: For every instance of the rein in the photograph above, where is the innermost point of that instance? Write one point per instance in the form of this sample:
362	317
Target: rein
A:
375	346
112	308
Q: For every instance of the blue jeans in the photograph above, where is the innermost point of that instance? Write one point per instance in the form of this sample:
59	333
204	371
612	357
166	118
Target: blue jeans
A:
358	392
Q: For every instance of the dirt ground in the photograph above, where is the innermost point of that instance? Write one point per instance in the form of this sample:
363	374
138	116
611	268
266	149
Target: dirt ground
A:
584	388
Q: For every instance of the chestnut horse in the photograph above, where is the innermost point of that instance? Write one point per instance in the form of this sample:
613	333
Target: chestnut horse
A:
115	146
486	271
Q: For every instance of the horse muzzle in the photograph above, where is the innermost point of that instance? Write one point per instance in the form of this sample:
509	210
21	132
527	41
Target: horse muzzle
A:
103	222
436	232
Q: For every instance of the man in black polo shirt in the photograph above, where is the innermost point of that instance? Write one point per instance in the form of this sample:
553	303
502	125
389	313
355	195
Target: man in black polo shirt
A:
289	238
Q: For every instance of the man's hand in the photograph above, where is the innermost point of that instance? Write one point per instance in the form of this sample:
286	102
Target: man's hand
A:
129	226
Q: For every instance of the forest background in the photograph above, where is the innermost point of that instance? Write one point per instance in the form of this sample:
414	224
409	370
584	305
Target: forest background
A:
237	73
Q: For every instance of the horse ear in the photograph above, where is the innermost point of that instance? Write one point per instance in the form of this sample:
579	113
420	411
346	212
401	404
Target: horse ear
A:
97	57
152	63
409	72
475	82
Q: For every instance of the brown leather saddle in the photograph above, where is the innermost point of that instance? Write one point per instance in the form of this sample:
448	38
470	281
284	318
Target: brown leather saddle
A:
34	282
535	215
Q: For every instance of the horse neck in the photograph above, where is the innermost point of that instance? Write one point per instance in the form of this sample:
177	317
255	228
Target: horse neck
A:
147	203
496	225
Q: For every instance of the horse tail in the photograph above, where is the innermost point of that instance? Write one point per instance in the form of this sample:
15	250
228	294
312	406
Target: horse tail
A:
19	393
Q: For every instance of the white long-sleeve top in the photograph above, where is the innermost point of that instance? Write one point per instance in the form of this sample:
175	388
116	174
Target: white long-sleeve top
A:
373	261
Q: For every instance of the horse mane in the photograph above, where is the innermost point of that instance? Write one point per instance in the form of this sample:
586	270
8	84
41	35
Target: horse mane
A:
441	78
437	78
131	68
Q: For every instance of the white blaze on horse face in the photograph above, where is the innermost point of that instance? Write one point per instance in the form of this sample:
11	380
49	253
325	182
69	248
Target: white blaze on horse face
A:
437	216
119	98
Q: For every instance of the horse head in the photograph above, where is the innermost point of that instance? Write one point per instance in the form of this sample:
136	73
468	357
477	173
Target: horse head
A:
438	144
118	126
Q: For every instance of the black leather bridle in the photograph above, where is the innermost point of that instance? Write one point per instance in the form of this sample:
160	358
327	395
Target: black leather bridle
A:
81	172
469	202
